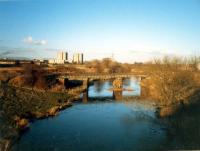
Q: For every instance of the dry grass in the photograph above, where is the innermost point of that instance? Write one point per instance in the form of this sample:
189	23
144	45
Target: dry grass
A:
171	82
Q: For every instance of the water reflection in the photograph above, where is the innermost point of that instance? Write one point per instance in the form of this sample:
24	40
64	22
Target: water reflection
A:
103	89
117	95
184	129
99	126
132	84
127	82
99	85
114	125
85	97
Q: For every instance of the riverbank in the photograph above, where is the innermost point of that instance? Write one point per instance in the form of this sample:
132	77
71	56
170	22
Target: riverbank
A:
20	106
172	89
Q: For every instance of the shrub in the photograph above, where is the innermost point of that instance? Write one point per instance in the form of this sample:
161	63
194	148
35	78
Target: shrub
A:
174	87
171	83
34	76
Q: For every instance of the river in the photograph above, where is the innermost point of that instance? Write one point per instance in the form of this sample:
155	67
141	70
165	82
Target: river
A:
110	125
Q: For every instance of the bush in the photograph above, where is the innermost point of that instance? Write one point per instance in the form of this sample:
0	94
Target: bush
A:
108	65
174	87
171	83
34	76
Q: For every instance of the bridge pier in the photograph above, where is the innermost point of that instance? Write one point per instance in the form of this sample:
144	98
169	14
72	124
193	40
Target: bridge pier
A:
85	96
85	93
117	95
86	83
117	88
118	84
63	81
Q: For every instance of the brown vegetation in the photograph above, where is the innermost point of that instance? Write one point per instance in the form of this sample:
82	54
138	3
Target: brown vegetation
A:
34	76
171	87
107	65
173	83
24	103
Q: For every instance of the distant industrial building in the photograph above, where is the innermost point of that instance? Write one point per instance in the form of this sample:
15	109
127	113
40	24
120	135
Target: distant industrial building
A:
78	58
62	58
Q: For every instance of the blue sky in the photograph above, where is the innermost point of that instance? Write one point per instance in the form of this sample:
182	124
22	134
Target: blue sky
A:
131	30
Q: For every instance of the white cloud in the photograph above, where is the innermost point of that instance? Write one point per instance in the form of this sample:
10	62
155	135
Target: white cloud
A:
41	42
29	40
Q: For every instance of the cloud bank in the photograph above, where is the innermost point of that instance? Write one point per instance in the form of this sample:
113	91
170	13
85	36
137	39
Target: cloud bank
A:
30	40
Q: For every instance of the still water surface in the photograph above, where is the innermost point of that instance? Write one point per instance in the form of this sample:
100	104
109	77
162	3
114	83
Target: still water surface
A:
111	125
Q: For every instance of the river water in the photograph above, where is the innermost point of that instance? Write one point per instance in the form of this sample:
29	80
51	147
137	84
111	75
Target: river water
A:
111	125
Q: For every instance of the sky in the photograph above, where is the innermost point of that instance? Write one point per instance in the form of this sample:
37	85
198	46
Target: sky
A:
127	30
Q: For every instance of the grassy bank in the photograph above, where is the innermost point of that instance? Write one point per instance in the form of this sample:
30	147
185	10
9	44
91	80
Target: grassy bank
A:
20	106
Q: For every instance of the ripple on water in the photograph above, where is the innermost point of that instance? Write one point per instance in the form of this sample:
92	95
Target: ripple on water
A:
96	126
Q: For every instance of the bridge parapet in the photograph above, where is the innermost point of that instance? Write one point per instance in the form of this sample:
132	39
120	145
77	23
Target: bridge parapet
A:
100	76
